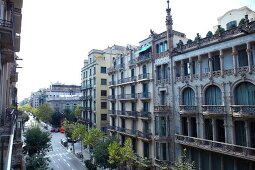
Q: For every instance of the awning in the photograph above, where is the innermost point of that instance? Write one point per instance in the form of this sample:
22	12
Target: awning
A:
144	48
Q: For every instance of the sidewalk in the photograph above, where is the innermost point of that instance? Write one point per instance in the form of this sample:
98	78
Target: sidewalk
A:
77	149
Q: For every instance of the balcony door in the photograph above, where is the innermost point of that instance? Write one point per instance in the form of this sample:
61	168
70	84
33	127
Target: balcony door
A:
188	97
145	90
245	94
213	95
133	91
144	71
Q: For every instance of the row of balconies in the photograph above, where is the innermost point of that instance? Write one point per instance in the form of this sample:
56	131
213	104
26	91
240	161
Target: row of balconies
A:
236	110
88	86
86	97
134	96
141	77
130	114
140	59
145	135
220	147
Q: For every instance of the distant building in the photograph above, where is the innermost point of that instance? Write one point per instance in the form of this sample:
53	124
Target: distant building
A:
95	88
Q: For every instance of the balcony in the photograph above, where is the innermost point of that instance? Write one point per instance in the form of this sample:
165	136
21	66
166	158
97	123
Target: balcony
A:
17	20
121	66
111	70
86	121
125	131
142	77
162	109
112	112
144	135
213	110
86	98
112	128
7	55
111	97
14	77
144	96
144	58
17	43
128	96
88	86
144	115
112	83
188	109
127	80
131	62
131	114
6	29
219	147
243	111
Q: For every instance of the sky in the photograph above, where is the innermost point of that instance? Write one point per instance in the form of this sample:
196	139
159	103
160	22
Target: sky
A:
56	35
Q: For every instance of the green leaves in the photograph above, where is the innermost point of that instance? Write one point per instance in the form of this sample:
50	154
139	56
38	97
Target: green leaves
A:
182	163
44	112
93	136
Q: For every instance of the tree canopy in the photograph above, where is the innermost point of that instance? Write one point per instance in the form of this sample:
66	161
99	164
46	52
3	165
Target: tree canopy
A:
36	141
44	112
93	136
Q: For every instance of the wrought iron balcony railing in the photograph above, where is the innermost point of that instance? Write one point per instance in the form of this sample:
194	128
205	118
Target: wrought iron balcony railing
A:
213	109
189	109
144	76
162	108
144	114
147	135
112	97
112	83
243	110
127	96
112	112
127	80
130	132
144	95
220	147
127	113
143	58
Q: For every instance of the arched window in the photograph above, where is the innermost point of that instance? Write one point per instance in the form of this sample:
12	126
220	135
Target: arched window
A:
188	97
244	94
213	96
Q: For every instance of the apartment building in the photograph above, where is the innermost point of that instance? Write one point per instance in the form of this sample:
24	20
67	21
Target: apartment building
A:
214	88
131	99
10	29
94	86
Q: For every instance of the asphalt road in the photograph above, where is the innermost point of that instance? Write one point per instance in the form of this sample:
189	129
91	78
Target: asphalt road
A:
61	159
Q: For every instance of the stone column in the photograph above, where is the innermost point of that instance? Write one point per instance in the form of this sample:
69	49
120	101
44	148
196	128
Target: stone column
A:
200	67
182	70
247	133
189	126
221	63
214	129
210	64
226	129
174	71
248	50
191	68
234	53
161	72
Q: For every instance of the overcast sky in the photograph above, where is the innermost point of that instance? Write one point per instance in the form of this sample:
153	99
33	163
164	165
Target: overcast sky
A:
58	34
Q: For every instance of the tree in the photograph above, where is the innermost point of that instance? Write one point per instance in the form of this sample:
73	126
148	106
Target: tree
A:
209	34
77	111
241	22
44	112
36	141
121	155
56	119
69	130
183	164
101	154
93	136
79	132
69	115
219	30
37	162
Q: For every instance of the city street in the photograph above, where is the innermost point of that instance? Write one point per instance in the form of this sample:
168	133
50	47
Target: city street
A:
60	157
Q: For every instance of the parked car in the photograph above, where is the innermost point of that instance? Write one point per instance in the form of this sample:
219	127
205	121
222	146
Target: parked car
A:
53	130
70	140
62	129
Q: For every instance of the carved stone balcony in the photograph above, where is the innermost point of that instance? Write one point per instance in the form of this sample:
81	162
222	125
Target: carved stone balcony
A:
125	131
111	70
112	83
120	66
127	114
88	86
127	80
143	77
112	97
144	96
188	109
215	110
162	109
127	96
220	147
243	110
146	115
112	128
112	112
131	62
144	135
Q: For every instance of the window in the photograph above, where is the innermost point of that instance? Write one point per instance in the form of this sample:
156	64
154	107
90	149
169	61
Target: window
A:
94	70
103	117
103	105
90	72
103	93
186	69
231	24
103	69
242	58
103	81
215	63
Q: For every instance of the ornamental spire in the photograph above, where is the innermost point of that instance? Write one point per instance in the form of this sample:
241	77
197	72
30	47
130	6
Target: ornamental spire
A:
169	20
